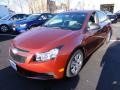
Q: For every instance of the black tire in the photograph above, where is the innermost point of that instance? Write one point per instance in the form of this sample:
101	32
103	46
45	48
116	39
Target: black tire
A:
4	28
70	70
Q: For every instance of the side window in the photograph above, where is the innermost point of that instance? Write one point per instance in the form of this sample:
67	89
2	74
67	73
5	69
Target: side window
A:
20	16
43	17
101	16
15	17
93	19
25	16
50	16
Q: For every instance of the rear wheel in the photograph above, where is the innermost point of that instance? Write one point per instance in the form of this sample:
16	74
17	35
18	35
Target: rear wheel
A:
4	28
74	64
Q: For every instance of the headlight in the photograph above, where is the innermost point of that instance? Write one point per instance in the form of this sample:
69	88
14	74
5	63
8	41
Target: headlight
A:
14	25
47	55
14	50
23	25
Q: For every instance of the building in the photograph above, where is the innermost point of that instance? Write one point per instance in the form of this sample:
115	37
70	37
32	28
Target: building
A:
110	5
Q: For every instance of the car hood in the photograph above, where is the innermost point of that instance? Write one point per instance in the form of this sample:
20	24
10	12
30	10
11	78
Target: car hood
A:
5	21
41	38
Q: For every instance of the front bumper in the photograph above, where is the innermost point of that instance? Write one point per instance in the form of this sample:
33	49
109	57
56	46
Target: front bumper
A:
20	29
34	75
26	66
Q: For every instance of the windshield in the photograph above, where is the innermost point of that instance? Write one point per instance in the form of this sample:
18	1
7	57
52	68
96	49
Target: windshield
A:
72	21
6	17
33	17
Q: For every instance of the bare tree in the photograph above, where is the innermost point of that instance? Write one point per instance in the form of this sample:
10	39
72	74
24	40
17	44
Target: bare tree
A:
20	5
36	6
42	5
30	5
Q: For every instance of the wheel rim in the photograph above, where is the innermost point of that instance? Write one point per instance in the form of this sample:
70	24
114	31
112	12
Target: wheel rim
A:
76	64
4	29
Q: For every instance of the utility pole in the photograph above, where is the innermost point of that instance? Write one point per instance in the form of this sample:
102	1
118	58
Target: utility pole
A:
68	5
48	5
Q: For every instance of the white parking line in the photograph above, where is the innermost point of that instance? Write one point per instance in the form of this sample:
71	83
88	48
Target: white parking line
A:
7	35
114	40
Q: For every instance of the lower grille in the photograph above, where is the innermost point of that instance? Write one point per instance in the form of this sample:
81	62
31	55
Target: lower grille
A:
27	73
17	58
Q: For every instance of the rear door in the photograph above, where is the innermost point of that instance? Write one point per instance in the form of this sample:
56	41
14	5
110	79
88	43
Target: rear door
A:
38	21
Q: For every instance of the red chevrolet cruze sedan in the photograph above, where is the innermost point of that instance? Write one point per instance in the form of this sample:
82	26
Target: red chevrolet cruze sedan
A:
59	47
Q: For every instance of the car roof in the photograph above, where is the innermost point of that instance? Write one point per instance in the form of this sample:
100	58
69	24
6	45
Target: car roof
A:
81	11
40	13
20	13
36	14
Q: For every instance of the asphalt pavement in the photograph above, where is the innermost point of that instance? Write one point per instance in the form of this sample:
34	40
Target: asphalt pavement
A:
100	72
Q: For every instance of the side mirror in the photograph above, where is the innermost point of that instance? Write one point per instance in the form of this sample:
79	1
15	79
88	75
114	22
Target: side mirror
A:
94	27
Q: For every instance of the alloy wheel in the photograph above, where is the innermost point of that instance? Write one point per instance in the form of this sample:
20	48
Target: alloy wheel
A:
4	28
75	64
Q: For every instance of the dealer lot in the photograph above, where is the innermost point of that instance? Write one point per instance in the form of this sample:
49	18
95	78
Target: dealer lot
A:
101	72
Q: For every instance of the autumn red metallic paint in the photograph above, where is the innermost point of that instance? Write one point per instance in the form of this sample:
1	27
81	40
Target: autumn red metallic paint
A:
43	39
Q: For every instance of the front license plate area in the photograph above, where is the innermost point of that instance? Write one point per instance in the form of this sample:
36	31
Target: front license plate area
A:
13	65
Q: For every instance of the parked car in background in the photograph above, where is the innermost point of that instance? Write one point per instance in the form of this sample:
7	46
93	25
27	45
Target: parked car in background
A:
111	16
7	21
59	48
118	15
4	10
33	20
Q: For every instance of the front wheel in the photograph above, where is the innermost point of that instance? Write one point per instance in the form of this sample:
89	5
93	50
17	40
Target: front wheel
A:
4	28
75	64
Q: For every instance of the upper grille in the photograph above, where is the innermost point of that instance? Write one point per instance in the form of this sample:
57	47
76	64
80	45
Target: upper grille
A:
21	50
17	58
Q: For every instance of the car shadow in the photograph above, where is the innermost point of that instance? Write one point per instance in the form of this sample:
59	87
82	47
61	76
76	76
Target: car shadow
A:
110	75
6	37
10	80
